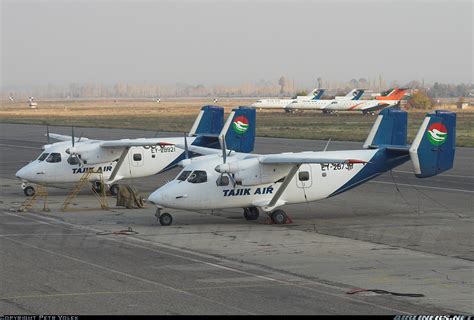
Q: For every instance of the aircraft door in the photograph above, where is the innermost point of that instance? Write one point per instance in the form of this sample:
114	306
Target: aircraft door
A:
304	177
136	156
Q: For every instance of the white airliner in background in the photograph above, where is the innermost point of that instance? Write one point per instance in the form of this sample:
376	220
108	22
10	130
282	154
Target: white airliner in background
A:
352	96
314	95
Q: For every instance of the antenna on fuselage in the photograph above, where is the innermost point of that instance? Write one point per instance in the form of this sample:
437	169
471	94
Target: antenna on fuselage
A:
327	145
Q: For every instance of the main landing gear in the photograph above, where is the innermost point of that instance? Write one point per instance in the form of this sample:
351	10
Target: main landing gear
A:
164	218
277	216
251	213
280	217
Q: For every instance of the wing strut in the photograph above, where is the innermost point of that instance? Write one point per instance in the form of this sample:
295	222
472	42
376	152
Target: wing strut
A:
284	185
119	163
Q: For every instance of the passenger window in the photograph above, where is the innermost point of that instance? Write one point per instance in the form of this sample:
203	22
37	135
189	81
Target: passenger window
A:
303	176
137	157
222	181
198	176
183	175
54	158
73	160
43	156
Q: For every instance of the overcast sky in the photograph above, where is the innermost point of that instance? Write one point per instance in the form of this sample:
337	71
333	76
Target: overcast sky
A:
232	42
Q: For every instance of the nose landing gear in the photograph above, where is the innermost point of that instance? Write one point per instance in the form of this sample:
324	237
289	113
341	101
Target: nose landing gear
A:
29	191
164	218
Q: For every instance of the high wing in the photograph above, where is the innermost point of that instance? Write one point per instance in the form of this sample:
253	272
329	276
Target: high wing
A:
62	137
140	142
302	158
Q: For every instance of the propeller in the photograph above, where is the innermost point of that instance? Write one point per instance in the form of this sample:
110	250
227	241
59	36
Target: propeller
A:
72	151
186	150
47	134
224	160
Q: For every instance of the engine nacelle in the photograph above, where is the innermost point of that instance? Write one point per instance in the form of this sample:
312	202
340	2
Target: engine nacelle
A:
250	172
94	154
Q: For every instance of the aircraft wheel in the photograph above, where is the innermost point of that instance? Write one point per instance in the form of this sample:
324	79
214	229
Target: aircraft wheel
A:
279	217
251	213
114	189
29	191
98	187
165	219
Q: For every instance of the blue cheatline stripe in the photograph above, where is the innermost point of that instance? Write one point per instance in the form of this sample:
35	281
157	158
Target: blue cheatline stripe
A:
381	162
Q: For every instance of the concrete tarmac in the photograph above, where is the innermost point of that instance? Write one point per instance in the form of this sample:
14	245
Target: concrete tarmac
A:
396	233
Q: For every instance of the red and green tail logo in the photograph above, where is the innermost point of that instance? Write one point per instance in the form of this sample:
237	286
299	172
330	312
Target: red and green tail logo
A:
240	125
437	134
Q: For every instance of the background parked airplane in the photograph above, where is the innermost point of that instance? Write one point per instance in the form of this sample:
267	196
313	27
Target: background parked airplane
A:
316	94
353	95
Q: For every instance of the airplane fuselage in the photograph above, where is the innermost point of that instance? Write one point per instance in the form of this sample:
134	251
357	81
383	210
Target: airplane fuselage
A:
138	162
312	182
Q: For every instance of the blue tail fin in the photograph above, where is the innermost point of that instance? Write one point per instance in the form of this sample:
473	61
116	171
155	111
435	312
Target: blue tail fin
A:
209	121
318	93
239	130
432	151
389	129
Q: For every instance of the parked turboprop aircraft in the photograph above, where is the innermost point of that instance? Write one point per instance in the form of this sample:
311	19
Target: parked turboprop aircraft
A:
353	95
67	161
266	182
314	95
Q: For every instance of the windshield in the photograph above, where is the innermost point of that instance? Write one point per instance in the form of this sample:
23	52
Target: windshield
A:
43	156
54	157
183	175
198	176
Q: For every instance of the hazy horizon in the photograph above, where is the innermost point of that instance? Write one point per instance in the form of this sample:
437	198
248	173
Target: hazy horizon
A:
234	42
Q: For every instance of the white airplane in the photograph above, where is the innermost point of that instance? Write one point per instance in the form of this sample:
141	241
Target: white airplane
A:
353	95
66	162
266	182
367	106
315	95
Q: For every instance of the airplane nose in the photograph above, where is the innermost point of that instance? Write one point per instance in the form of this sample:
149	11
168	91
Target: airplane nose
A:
21	174
156	198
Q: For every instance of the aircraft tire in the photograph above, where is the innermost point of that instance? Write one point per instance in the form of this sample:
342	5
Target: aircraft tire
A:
114	189
279	217
165	219
251	213
29	191
97	187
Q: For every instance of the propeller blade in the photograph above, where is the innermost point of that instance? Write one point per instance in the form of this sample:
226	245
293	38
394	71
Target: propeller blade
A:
80	136
47	133
72	135
186	151
223	147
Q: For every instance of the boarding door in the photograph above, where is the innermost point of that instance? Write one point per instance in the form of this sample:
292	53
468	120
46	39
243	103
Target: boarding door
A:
304	177
136	159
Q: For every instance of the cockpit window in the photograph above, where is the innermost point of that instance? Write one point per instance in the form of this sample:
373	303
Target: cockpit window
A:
43	156
183	175
54	157
73	160
198	176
